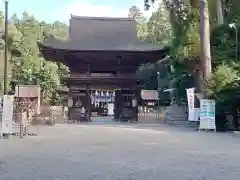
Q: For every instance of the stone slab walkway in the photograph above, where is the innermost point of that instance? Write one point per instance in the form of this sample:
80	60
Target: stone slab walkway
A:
120	152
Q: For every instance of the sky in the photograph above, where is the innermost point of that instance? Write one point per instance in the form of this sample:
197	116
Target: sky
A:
52	10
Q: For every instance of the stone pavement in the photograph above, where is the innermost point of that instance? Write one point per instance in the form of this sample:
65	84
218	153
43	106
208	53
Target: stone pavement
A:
120	152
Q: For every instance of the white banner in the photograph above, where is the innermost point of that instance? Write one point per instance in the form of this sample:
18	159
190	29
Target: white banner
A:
7	115
190	98
207	114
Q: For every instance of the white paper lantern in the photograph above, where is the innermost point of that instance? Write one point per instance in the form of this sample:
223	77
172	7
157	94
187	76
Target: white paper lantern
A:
92	99
134	102
70	102
96	93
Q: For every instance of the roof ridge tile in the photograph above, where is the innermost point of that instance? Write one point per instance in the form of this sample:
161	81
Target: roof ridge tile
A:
102	18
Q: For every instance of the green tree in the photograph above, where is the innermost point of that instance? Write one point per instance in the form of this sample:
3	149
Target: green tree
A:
135	14
186	18
159	29
27	64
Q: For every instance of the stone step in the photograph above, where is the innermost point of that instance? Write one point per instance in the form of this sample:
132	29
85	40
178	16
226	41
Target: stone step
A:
183	123
176	118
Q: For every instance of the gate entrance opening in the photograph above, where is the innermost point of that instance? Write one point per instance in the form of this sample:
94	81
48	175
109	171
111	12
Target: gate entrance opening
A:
102	103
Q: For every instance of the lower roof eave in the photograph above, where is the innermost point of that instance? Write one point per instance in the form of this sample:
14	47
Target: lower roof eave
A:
136	49
142	56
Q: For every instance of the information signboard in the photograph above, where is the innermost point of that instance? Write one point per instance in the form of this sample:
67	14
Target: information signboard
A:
207	114
149	94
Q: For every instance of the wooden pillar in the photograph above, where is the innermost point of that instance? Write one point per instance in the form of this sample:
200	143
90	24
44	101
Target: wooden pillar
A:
70	103
88	104
117	105
120	108
135	109
118	99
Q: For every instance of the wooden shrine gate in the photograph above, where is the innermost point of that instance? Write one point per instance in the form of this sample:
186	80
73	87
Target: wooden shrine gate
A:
107	62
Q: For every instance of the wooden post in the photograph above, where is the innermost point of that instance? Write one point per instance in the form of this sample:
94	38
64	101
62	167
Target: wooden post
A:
117	104
6	50
137	92
89	112
120	107
70	104
88	104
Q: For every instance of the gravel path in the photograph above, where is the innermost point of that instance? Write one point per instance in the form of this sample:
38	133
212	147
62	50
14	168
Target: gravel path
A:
120	152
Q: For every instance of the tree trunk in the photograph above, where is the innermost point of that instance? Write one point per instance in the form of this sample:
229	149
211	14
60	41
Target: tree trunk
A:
171	86
206	64
219	12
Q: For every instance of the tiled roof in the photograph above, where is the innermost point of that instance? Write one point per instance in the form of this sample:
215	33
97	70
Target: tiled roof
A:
101	34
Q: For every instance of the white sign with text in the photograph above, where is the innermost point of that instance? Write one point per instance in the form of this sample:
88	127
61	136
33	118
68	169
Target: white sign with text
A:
207	114
7	114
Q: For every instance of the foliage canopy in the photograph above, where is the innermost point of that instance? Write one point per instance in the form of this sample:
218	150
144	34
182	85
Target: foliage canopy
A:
27	65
